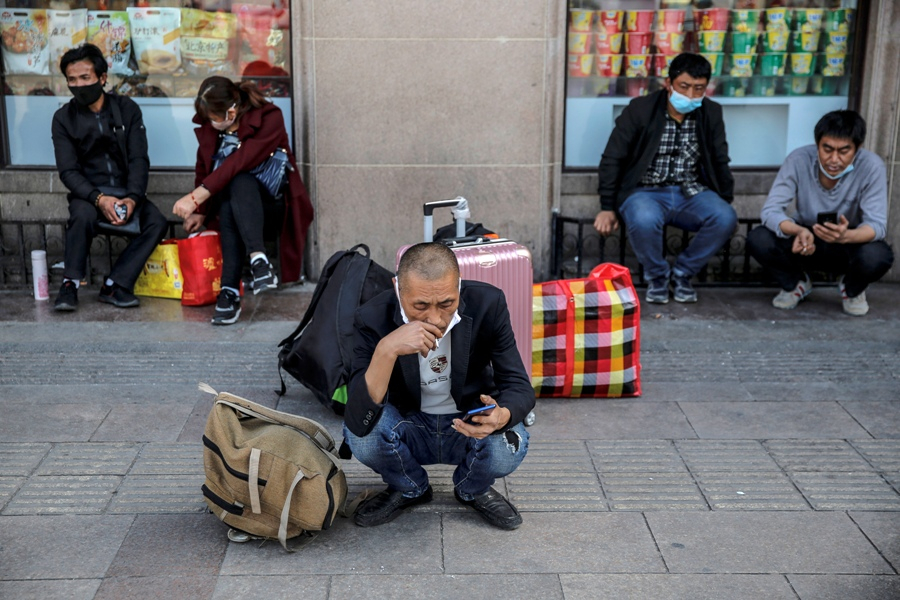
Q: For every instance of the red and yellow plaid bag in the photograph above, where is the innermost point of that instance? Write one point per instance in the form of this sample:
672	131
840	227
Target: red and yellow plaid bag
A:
586	336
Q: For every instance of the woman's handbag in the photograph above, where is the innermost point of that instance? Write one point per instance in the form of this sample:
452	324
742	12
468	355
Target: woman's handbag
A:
270	173
586	341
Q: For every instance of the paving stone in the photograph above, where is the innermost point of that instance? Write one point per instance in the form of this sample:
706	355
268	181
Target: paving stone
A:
169	459
86	494
881	419
868	391
763	542
51	422
149	494
313	587
810	391
688	367
697	391
754	490
553	543
187	587
70	589
893	479
60	547
555	491
652	491
883	530
768	420
409	545
666	587
555	455
883	455
703	456
89	459
21	459
846	587
449	587
171	545
847	491
8	487
593	418
144	422
629	456
816	455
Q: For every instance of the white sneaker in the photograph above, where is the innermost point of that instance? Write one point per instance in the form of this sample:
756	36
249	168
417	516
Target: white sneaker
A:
855	306
788	300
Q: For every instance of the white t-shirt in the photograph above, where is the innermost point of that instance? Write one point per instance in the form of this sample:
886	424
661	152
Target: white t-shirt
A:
434	373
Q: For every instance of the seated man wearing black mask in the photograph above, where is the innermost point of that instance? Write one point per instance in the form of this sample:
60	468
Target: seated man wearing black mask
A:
106	177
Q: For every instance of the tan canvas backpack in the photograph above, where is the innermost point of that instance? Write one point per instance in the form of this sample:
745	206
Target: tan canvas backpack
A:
269	473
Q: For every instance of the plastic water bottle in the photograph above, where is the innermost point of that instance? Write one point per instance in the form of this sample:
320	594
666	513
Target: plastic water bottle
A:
39	275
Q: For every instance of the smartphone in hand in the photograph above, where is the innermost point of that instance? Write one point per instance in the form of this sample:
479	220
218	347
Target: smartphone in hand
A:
826	217
468	417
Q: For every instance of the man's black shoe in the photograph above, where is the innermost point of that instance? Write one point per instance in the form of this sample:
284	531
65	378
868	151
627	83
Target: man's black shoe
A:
67	299
386	506
494	508
116	295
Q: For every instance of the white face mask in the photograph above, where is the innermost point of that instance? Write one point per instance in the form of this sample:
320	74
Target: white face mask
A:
839	175
225	123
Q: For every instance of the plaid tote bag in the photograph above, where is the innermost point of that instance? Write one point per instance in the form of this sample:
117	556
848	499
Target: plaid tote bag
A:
586	336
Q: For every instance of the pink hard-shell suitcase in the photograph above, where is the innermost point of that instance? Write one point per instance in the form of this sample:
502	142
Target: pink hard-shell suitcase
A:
500	262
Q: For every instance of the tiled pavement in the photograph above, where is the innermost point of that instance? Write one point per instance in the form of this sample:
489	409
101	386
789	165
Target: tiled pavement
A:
761	461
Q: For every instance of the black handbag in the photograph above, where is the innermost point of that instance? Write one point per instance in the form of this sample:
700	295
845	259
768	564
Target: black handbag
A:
271	173
133	226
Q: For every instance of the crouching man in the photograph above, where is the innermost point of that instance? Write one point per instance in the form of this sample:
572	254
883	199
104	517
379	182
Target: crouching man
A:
840	219
425	354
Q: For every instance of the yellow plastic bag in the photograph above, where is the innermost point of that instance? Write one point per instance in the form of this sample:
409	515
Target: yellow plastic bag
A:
161	276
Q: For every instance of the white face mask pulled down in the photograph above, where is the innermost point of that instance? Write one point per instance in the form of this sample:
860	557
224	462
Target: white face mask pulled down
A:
453	320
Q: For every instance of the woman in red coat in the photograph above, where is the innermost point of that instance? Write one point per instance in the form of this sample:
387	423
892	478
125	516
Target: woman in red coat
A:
239	129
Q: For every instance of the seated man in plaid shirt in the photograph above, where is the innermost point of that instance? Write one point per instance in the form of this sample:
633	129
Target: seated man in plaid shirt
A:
666	163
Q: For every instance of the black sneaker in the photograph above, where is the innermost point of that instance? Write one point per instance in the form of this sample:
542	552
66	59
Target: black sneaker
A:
264	277
684	291
116	295
228	308
67	300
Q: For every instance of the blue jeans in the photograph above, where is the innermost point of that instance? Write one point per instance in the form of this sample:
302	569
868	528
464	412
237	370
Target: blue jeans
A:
647	210
398	446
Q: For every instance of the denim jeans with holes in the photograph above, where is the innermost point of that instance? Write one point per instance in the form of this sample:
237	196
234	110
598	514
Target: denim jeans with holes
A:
399	445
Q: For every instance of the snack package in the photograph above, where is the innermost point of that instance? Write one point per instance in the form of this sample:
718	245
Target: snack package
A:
28	85
261	38
109	31
68	29
208	42
24	39
142	86
156	34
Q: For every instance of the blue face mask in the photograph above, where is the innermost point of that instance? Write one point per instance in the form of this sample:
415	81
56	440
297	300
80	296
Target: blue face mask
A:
839	175
682	104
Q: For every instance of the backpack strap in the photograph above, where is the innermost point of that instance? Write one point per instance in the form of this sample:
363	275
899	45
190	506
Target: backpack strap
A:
118	129
286	511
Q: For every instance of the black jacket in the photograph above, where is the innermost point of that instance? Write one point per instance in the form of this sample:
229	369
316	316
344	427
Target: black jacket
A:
635	140
88	156
484	359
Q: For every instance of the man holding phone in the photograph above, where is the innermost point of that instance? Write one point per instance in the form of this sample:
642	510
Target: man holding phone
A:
436	379
839	220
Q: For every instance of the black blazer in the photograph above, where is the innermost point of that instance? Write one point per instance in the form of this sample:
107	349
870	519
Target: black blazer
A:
484	359
635	140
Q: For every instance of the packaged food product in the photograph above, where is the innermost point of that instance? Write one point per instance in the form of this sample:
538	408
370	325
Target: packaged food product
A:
744	20
670	20
834	64
608	65
208	42
668	42
110	31
24	41
779	18
579	43
139	86
637	65
802	41
639	20
742	65
716	61
775	40
638	43
28	85
803	63
610	21
581	20
808	19
711	41
837	42
68	29
660	64
261	38
608	43
797	86
764	86
745	43
712	19
156	35
581	65
772	64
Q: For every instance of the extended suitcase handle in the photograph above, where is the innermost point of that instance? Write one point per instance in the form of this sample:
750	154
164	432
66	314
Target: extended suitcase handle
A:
460	213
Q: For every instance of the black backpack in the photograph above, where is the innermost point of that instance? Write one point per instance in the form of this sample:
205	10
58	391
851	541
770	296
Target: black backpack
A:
319	352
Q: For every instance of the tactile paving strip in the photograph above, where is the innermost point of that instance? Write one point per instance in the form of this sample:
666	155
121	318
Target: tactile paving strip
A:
847	491
808	366
750	491
555	490
703	456
884	455
89	459
21	459
169	459
635	456
8	487
687	367
86	495
652	491
816	455
145	494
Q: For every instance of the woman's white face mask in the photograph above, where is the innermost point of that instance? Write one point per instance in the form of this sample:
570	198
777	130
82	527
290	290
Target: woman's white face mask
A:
226	122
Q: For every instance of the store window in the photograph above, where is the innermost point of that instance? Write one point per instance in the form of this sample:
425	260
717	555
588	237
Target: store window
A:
778	66
158	52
